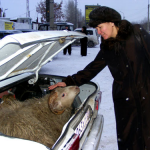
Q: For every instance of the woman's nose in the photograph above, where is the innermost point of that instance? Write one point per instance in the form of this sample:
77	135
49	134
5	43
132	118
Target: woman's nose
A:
99	32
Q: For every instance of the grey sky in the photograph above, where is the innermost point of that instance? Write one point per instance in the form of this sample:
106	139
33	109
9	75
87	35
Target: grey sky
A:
132	10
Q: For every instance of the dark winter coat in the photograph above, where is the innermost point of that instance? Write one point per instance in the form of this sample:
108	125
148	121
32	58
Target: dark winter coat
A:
128	59
68	48
83	42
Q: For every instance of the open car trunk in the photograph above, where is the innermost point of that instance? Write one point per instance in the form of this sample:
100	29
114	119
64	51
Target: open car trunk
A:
85	108
21	57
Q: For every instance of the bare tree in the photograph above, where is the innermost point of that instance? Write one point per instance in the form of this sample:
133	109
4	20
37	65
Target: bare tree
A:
71	12
81	19
58	11
41	9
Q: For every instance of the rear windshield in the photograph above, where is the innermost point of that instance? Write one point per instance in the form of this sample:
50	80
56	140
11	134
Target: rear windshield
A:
89	32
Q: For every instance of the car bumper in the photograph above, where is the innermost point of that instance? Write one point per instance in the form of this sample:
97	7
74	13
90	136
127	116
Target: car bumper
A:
93	138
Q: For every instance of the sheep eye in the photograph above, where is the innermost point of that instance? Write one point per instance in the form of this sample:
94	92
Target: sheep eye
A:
63	95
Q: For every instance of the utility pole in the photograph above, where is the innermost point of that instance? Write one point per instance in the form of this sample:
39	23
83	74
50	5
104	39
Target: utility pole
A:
27	9
47	11
52	27
148	18
0	9
76	22
50	13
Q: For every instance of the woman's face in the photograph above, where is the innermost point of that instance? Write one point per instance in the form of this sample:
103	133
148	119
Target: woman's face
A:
107	30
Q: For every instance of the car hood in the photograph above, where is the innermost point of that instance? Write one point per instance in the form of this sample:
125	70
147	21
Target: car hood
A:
28	52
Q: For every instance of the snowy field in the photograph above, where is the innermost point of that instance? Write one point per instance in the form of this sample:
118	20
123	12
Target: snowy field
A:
65	65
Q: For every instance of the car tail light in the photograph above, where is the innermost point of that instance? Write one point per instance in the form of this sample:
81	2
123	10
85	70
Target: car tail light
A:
98	100
73	143
79	129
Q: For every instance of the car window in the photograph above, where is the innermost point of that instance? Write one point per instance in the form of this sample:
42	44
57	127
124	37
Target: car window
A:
71	28
78	30
43	28
89	32
1	35
62	27
48	27
97	33
58	27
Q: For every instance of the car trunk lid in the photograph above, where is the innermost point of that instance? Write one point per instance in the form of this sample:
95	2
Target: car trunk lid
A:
28	52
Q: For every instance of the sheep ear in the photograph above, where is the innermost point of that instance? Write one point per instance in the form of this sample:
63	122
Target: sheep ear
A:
52	97
52	101
53	104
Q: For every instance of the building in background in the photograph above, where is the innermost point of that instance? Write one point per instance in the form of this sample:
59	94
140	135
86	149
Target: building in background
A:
88	9
19	23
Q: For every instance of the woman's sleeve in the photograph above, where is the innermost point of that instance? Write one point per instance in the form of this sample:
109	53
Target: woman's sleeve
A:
88	73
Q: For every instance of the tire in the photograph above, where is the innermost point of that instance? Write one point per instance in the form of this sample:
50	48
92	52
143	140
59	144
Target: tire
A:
90	44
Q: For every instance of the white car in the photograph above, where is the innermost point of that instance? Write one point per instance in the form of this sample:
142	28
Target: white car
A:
92	35
21	57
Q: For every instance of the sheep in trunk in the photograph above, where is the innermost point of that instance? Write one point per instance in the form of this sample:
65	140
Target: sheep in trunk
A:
38	119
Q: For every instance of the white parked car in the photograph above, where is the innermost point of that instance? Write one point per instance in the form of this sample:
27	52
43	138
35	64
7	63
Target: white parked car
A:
21	57
93	37
4	33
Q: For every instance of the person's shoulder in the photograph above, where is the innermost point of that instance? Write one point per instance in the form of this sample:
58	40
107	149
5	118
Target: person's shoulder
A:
138	28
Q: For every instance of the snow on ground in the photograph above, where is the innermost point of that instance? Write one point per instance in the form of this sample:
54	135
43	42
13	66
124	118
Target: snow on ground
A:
64	65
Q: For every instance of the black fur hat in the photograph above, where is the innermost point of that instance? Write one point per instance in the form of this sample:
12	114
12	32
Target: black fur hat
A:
103	14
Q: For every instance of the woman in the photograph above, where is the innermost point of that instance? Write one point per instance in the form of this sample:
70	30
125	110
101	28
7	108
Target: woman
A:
125	49
83	42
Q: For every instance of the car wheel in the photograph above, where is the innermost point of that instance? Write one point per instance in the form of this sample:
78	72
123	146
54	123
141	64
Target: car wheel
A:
90	44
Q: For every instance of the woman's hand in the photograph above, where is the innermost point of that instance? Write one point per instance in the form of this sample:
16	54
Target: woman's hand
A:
63	84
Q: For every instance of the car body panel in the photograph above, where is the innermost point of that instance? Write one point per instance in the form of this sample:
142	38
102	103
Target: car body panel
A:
94	136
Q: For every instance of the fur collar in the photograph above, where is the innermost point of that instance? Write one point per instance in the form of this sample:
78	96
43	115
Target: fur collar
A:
125	30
